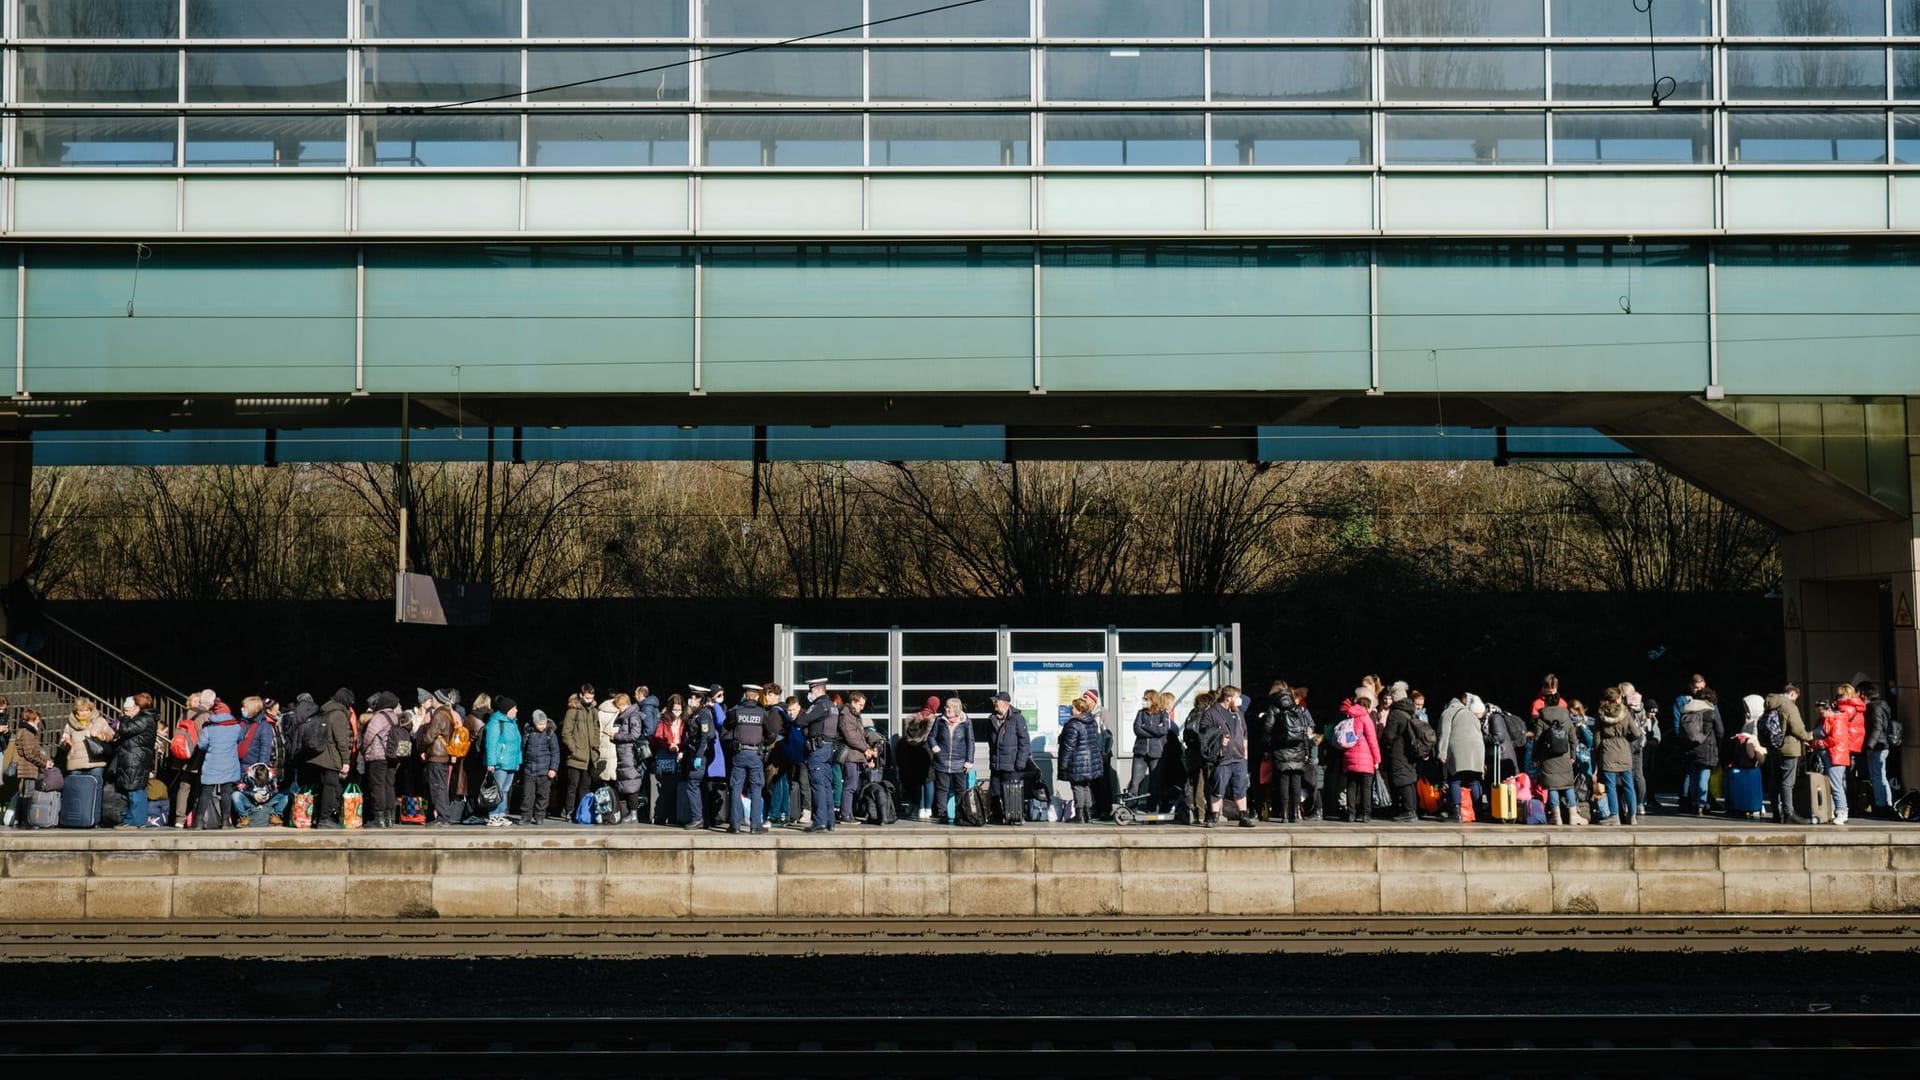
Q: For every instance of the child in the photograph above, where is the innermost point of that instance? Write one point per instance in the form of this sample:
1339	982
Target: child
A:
539	764
1359	745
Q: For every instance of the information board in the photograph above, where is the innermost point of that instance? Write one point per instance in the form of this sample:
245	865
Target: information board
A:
1044	690
1184	679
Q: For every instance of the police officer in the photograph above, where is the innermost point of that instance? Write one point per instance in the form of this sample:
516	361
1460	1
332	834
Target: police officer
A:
818	720
750	730
696	749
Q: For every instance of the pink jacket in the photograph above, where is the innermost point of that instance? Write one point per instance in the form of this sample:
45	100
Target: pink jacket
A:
1364	755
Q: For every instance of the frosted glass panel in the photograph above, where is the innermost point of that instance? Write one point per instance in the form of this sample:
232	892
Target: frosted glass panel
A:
1166	204
559	67
92	205
464	204
868	319
1852	306
970	204
1291	75
743	204
516	319
596	204
1460	203
1125	74
1222	317
1789	204
1466	74
224	204
1290	18
951	74
100	19
1624	203
1490	316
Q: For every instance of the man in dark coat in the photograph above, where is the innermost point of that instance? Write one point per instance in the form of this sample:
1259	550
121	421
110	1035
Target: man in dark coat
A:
1009	750
335	759
1405	750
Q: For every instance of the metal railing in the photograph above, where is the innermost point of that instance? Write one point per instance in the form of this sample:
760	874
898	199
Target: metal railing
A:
72	665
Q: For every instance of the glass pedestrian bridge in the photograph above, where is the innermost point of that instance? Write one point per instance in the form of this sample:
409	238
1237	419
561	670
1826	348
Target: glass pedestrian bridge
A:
1001	118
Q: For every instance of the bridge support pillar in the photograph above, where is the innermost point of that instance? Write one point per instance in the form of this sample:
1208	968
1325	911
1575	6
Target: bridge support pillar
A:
1851	604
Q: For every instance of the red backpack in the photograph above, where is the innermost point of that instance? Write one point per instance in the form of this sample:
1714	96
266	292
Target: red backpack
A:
186	739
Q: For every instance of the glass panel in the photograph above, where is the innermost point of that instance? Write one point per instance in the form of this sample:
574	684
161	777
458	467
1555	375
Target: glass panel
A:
1665	137
1906	138
558	67
100	19
1466	74
1463	18
959	643
607	18
442	18
1290	75
1110	138
1030	644
440	141
279	19
1906	71
97	141
1806	137
1466	139
1123	18
1773	72
951	74
1290	18
1125	74
1627	73
1671	18
991	18
584	139
782	139
950	138
395	74
836	643
266	75
795	74
781	18
1292	138
1906	17
1805	18
266	140
931	677
99	75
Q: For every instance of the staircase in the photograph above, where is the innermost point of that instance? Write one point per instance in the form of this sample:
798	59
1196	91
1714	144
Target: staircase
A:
70	666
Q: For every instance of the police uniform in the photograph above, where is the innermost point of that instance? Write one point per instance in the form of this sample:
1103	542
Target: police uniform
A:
750	732
818	720
696	747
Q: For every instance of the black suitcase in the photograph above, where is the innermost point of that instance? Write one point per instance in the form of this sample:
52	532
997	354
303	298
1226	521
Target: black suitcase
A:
80	802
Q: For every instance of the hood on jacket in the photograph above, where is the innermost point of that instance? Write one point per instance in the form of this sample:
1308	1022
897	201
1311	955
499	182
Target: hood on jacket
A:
650	701
608	710
384	700
344	697
1695	704
1755	706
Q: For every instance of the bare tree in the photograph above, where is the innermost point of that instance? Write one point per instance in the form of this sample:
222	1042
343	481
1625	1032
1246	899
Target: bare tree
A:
812	506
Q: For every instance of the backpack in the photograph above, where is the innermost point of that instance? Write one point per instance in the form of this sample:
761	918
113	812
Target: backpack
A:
1344	735
1425	739
971	807
877	804
1516	730
602	805
186	739
313	735
1554	741
399	739
1693	726
459	740
1773	730
583	811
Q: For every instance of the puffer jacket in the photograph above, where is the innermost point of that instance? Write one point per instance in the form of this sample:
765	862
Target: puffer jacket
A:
539	751
1402	747
579	734
1706	753
1081	759
1462	748
337	750
952	745
74	754
29	756
606	757
220	738
1364	755
629	734
504	744
1797	735
1288	758
1150	733
377	735
1009	747
1846	731
1617	730
1879	730
133	753
1556	772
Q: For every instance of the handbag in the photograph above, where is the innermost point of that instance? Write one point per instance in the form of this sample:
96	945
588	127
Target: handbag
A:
96	750
489	795
413	810
52	779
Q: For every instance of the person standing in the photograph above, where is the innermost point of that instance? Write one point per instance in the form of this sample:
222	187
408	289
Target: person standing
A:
952	745
1462	749
1618	730
1845	735
379	739
819	722
669	735
1554	736
856	753
220	770
335	759
1150	727
1876	742
1403	749
1081	762
914	757
751	730
440	763
1701	732
1226	725
1009	752
30	758
696	749
504	755
539	764
579	736
1360	759
1794	737
133	756
631	751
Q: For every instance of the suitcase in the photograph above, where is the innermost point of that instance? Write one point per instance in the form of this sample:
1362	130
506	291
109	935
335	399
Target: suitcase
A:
80	802
1819	798
1746	794
1506	801
45	811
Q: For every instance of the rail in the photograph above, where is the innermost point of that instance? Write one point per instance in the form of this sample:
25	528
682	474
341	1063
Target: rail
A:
32	683
88	662
1070	1046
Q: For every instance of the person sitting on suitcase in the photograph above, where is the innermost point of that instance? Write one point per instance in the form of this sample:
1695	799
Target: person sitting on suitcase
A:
28	759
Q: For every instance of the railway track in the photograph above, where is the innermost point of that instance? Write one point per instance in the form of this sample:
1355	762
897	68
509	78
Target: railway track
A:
1657	1045
468	938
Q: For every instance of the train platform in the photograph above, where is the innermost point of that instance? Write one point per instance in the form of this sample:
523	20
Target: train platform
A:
916	871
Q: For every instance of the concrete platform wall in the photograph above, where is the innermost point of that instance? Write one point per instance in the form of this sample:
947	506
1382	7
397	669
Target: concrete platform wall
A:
58	877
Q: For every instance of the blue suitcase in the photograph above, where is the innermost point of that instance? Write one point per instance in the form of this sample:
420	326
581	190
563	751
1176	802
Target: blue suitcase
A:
80	802
1745	794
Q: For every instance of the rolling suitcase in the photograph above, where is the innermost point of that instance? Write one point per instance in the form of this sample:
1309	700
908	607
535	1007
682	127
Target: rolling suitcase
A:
1745	792
1506	801
1818	798
80	802
45	811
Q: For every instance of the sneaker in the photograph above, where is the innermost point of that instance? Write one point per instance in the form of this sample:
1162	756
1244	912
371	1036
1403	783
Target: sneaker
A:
497	823
1247	823
1839	819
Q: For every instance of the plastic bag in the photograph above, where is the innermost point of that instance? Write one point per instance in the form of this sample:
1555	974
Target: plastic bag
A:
302	815
351	806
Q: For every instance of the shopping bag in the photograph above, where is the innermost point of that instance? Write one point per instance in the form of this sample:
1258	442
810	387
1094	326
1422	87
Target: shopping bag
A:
302	815
1431	795
413	810
351	804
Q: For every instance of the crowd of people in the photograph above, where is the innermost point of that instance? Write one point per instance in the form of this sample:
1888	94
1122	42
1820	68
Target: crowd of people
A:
814	759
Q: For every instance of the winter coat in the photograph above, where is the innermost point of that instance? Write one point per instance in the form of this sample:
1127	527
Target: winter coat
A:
1288	758
258	735
1878	734
133	753
74	754
539	752
28	756
505	747
1556	772
1706	754
579	734
337	749
220	738
853	731
1846	731
1009	746
1221	721
377	735
433	738
1617	730
1797	735
629	733
1364	755
1081	756
1402	747
1150	733
1462	748
917	729
606	758
952	745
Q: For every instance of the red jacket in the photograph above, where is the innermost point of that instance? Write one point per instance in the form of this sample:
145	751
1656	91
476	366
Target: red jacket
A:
1846	731
1364	755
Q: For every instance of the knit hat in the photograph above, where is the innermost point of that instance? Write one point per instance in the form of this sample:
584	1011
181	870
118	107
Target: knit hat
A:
1474	703
1400	690
539	718
447	697
1093	696
342	696
504	705
422	695
933	704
